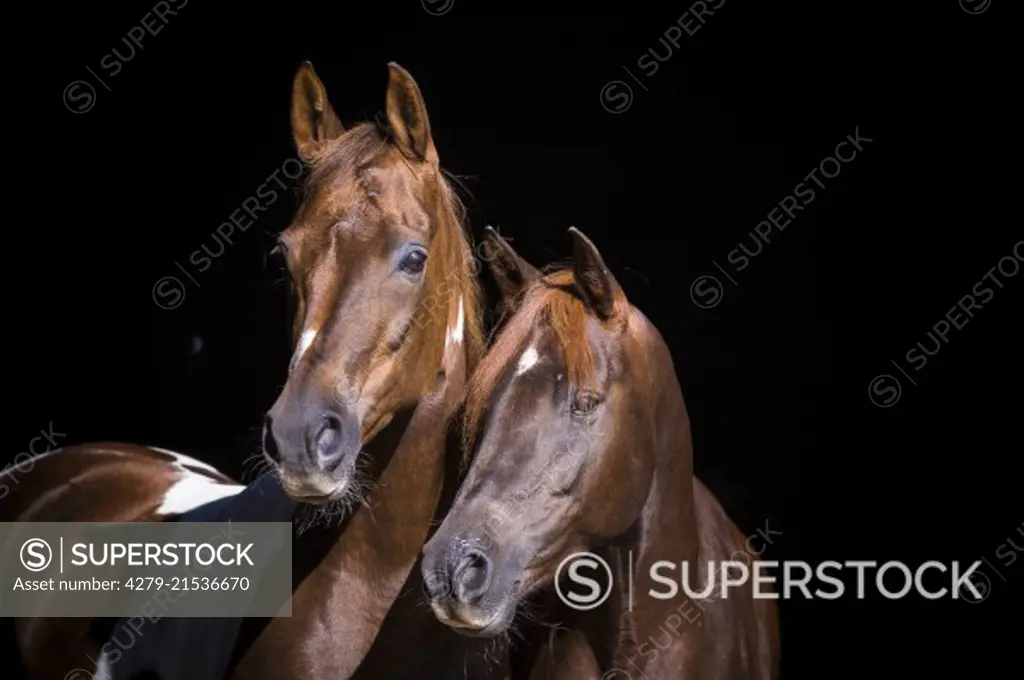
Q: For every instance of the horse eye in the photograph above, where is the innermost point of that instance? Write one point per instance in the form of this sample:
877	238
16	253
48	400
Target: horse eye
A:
280	250
584	403
414	261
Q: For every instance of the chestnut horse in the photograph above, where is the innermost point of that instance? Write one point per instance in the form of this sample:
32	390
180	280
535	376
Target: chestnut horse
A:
582	443
387	331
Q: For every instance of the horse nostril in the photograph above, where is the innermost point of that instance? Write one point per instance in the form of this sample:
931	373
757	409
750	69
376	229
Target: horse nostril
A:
269	443
473	576
437	585
327	440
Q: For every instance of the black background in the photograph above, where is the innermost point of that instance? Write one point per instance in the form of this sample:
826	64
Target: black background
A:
776	375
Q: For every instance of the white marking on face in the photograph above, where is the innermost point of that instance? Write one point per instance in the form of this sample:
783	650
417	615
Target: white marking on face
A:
527	361
455	334
305	340
191	491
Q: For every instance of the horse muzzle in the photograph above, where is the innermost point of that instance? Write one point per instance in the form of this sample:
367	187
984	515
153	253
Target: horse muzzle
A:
314	450
462	592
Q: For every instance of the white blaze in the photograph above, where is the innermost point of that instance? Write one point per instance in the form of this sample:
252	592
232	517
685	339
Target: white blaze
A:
305	340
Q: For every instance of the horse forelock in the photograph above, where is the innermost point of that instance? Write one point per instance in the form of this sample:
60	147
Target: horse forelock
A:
552	300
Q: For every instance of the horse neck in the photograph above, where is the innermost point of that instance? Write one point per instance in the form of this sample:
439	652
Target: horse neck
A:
666	530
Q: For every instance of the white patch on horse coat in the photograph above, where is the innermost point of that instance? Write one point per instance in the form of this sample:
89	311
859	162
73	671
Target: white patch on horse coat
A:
181	460
454	335
527	361
191	491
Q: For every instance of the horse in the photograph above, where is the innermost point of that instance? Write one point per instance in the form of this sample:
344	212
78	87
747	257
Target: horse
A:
99	482
582	449
387	328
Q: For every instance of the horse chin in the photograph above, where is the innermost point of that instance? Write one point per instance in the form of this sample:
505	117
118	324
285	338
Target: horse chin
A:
478	624
318	492
327	499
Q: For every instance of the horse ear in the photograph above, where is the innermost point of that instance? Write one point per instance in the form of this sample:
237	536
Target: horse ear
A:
407	115
313	120
512	273
599	288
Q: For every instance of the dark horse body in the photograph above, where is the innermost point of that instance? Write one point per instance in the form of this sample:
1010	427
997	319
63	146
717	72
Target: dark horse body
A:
387	331
582	443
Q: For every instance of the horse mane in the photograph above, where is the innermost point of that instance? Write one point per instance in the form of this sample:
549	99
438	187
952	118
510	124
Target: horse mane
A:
552	299
451	264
